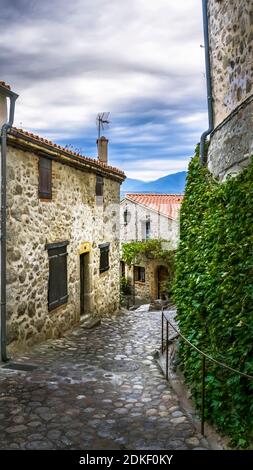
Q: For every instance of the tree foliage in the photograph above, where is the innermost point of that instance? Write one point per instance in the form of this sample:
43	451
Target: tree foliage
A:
213	291
133	252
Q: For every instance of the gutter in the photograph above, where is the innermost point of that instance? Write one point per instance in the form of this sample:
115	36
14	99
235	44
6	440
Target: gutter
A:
5	128
208	84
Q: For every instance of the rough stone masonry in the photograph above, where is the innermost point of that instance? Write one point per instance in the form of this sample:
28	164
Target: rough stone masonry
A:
231	52
73	215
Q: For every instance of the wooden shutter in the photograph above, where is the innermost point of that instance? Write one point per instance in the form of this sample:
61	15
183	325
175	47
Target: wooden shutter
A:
99	186
104	257
57	285
45	178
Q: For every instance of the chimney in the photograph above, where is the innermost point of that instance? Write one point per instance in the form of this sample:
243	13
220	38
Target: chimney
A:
102	144
3	104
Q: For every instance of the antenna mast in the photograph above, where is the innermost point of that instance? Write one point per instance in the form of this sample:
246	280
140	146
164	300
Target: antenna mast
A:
102	122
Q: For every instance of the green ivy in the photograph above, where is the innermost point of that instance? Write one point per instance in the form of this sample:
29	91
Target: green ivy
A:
213	291
133	252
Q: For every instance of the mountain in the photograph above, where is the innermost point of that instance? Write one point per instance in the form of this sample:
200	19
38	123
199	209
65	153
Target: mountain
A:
170	184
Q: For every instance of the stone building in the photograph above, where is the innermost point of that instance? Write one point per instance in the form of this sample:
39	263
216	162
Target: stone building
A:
148	217
230	25
62	238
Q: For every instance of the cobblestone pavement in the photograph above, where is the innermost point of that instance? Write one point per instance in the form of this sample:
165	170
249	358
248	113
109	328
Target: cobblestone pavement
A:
95	389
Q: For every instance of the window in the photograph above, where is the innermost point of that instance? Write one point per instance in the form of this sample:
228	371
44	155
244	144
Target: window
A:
99	189
139	274
45	178
104	257
99	186
147	228
125	215
57	284
122	269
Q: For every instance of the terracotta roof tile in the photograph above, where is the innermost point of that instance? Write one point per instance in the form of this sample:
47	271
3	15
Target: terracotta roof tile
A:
23	134
165	204
5	85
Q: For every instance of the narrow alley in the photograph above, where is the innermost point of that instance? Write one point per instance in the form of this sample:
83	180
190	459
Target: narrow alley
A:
95	389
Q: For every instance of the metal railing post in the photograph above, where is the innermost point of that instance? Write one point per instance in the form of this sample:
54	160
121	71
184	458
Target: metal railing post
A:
203	395
205	357
167	350
162	331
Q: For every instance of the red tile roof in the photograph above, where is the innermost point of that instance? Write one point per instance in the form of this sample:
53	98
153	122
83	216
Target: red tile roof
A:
20	133
5	85
165	204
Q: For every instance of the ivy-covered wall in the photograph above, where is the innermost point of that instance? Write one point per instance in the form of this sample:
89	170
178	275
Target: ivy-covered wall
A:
213	291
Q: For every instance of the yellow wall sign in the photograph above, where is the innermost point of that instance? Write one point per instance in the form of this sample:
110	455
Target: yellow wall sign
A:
85	247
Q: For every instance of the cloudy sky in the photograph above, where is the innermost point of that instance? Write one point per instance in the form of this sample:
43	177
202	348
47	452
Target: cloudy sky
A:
139	59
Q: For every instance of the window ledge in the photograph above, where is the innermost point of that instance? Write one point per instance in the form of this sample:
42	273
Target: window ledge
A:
104	271
58	305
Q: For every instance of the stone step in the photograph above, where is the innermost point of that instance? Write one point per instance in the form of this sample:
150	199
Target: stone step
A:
89	322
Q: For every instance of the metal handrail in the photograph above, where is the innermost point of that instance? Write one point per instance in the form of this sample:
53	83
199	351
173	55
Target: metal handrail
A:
204	357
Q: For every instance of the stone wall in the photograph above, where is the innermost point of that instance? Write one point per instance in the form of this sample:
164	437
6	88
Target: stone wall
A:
71	215
160	226
146	291
231	52
231	145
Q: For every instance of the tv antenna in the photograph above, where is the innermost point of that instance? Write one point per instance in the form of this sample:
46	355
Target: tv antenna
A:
102	122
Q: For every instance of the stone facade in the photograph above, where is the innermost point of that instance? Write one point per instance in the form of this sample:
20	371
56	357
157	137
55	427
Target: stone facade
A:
135	229
149	290
231	52
73	215
231	49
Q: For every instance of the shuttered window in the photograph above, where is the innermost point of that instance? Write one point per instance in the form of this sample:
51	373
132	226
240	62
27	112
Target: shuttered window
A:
45	178
104	257
99	186
99	190
139	274
57	283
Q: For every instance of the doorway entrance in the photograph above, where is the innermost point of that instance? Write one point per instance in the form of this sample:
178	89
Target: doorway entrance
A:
84	284
162	277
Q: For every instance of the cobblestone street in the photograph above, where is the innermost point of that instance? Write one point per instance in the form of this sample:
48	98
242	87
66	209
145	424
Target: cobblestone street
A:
95	389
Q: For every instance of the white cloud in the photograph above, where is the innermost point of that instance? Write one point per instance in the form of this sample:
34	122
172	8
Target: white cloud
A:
137	59
192	119
149	172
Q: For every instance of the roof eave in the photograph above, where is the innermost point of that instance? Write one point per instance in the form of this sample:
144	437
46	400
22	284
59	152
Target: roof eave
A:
149	208
27	143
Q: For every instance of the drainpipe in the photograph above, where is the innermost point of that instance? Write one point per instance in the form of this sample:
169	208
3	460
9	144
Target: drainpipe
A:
5	128
208	84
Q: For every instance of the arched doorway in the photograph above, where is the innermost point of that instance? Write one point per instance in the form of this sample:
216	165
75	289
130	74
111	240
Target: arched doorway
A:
162	277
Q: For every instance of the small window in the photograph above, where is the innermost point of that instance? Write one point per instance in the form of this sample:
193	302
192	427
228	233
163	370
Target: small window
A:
45	178
99	190
147	228
104	257
99	186
139	274
57	284
122	269
125	215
